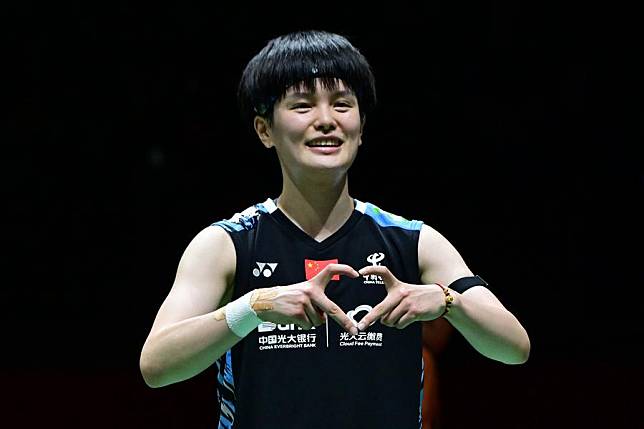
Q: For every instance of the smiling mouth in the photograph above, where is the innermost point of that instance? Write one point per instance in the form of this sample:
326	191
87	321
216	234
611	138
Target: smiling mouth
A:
325	143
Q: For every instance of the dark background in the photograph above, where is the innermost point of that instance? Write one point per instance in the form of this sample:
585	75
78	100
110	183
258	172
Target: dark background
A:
511	127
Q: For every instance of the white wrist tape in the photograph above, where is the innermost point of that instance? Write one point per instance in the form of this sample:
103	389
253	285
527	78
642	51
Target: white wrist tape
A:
240	317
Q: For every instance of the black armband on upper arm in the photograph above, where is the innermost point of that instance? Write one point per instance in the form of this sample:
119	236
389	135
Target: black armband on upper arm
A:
464	283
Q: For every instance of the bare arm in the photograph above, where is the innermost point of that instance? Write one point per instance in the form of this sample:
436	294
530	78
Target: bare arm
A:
186	338
189	334
476	313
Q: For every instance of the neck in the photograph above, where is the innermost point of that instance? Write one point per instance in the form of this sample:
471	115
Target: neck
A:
318	207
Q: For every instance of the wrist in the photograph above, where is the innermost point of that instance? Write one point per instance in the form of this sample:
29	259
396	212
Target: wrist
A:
449	299
240	316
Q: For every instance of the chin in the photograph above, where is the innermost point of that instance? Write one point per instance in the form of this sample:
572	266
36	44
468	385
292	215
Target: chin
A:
330	167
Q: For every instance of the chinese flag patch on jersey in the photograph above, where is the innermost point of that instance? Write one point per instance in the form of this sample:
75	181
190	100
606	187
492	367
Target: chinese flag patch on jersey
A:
312	268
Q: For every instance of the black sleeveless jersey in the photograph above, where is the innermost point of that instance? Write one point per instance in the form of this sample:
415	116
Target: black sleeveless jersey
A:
283	377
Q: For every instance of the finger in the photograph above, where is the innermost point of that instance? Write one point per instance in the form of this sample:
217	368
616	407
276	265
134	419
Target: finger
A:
404	321
391	319
377	312
381	271
324	276
303	321
321	313
332	309
313	314
383	319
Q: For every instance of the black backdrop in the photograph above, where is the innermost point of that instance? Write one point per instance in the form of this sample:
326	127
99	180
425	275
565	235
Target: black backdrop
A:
511	128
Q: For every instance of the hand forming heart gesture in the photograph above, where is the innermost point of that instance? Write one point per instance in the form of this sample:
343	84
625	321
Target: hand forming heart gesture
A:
303	303
405	303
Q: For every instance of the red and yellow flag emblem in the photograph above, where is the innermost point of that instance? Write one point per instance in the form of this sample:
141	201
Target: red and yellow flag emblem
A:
313	267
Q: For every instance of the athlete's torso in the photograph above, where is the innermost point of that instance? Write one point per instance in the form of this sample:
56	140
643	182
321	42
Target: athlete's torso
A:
284	377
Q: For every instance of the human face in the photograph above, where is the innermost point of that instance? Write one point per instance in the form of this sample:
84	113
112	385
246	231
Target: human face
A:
318	130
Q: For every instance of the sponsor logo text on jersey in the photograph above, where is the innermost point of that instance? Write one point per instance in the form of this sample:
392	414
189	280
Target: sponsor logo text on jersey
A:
362	339
372	279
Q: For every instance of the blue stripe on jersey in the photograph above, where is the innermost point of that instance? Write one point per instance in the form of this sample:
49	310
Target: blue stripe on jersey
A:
384	218
245	220
224	423
226	388
422	389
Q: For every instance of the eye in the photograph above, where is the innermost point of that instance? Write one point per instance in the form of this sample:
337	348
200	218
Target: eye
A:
301	107
342	106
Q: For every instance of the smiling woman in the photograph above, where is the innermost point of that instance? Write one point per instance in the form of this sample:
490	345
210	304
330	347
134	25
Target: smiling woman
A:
323	121
299	62
307	95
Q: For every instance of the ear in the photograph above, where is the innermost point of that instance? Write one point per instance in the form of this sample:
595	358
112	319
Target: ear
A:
364	120
263	130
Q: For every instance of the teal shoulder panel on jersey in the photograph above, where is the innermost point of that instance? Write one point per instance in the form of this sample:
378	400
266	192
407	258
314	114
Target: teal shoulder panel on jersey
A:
384	218
247	219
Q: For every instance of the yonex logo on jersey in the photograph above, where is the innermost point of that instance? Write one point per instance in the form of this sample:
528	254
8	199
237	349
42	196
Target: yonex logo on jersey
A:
264	268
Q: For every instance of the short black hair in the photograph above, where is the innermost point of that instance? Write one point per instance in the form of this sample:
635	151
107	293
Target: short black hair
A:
301	58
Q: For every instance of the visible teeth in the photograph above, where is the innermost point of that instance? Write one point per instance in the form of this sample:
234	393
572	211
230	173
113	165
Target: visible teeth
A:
324	143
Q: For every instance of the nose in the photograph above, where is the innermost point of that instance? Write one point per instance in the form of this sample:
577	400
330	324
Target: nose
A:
325	121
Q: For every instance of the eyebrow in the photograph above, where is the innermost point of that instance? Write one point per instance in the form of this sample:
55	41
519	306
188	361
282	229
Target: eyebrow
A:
300	94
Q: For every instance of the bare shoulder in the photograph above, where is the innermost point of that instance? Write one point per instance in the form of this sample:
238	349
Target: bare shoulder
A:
204	278
211	251
438	260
